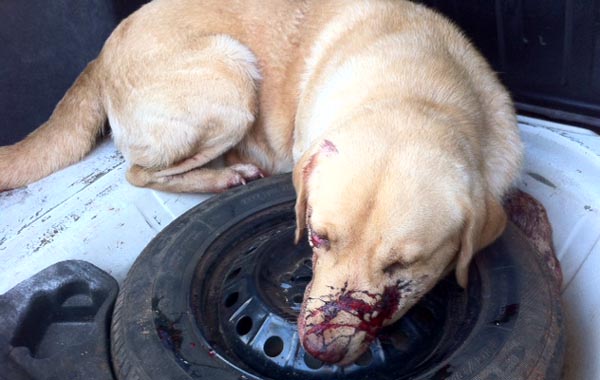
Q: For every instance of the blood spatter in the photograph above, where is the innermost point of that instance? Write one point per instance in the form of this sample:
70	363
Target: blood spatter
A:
530	216
364	312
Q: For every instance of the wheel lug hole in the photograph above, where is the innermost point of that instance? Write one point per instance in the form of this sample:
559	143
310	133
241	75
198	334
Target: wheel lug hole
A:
244	325
287	278
231	299
233	274
273	346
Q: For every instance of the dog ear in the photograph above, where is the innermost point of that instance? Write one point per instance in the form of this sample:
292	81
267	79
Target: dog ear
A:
302	171
299	179
483	225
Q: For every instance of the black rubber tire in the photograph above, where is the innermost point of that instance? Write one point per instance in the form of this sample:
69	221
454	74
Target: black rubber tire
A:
518	333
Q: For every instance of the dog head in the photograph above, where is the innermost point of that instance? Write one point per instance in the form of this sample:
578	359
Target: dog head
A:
384	228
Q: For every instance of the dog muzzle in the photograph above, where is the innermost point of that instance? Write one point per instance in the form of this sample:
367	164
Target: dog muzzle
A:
338	328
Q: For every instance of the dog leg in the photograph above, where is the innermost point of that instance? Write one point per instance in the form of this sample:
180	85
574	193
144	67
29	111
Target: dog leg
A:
202	180
203	112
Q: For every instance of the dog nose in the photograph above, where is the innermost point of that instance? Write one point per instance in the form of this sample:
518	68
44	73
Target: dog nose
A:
329	333
335	342
332	353
334	333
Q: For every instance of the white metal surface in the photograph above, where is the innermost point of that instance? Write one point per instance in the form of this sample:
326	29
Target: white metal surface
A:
562	170
89	212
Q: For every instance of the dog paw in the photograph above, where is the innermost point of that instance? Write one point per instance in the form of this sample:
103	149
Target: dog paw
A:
240	174
248	172
234	180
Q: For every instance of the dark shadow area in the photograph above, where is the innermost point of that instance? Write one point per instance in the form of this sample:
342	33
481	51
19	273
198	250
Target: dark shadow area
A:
45	45
547	53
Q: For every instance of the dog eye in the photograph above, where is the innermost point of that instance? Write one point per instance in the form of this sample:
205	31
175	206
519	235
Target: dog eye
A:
319	241
316	240
394	267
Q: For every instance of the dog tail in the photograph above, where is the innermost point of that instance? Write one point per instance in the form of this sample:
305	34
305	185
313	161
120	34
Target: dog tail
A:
69	134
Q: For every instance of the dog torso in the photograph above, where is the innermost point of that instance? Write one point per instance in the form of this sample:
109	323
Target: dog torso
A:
271	30
318	61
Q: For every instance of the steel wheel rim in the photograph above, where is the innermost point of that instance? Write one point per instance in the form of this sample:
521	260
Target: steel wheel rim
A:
246	293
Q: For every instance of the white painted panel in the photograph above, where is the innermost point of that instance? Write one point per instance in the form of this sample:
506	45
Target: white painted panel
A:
88	212
562	170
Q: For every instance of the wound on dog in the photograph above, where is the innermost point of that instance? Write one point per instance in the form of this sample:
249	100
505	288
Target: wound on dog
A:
371	315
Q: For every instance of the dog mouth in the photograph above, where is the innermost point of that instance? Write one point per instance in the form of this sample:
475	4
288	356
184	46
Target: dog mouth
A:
339	327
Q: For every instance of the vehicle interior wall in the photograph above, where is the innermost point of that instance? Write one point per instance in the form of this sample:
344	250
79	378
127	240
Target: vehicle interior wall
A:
44	46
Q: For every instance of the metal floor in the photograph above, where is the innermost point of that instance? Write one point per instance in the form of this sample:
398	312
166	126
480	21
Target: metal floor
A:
88	212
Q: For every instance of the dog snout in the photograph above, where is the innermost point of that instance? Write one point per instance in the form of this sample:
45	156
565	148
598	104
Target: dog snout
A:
331	344
333	333
338	328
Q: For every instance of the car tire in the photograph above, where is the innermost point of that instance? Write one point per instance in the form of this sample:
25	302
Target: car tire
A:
511	329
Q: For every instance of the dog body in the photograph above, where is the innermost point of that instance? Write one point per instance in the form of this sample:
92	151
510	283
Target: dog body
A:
401	140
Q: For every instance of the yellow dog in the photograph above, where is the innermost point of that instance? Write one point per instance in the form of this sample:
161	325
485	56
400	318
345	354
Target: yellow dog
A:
401	139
